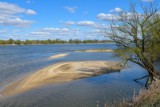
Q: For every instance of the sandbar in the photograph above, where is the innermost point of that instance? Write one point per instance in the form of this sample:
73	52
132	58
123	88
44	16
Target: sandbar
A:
58	56
60	73
95	50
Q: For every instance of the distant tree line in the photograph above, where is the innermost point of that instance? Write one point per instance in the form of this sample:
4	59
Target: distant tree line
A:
49	41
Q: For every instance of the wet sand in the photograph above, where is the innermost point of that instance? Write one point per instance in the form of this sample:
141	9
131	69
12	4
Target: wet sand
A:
60	73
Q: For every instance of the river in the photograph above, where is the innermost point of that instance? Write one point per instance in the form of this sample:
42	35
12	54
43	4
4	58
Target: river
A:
18	61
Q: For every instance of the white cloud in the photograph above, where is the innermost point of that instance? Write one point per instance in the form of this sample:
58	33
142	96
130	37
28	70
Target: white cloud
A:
53	32
40	33
69	23
117	9
3	31
103	16
56	29
8	8
87	23
15	22
9	17
91	34
16	30
71	9
110	17
65	33
30	12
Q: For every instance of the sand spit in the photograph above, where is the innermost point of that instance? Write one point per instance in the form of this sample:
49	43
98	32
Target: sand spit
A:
60	73
58	56
96	50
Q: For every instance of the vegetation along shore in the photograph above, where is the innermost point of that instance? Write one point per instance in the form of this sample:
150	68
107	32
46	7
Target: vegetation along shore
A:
49	41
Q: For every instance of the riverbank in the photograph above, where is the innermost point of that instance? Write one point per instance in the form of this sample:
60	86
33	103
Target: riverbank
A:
147	97
60	73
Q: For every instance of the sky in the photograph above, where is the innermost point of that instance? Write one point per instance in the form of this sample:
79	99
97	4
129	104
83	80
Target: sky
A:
58	19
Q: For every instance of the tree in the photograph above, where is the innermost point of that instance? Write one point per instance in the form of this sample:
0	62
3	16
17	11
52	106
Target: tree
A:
138	36
10	41
71	41
18	42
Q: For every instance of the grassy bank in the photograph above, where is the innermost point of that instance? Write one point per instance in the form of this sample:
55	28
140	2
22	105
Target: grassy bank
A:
146	98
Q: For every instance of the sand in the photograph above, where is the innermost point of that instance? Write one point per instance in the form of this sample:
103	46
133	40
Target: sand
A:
95	50
58	56
60	73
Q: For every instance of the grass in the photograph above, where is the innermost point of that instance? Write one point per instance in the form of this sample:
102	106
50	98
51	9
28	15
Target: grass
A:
146	98
150	97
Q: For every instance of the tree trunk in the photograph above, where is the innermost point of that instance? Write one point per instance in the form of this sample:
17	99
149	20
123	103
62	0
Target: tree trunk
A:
149	66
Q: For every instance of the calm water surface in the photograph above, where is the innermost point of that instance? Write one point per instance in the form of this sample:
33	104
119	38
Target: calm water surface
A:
17	61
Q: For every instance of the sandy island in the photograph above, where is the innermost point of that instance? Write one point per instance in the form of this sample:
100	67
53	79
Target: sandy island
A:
60	73
58	56
95	50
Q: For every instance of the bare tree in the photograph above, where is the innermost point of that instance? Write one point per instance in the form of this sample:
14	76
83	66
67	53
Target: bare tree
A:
138	36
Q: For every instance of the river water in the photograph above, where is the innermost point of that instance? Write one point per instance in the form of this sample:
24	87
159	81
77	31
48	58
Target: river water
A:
18	61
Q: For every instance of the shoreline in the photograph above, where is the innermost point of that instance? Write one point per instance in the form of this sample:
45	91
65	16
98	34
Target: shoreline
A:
146	98
60	73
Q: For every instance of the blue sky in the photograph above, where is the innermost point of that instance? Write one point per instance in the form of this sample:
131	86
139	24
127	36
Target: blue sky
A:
58	19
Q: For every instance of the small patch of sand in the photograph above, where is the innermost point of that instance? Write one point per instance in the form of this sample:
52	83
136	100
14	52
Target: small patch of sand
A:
60	73
58	56
96	50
